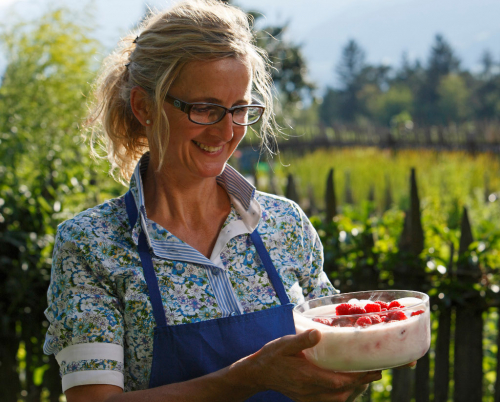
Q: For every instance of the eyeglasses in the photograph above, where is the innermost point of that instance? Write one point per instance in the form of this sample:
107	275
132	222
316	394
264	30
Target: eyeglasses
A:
211	113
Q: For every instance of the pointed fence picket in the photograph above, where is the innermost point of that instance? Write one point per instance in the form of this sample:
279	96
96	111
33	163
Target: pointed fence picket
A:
459	322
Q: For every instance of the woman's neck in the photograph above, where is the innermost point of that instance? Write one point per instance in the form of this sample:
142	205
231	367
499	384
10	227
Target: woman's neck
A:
175	202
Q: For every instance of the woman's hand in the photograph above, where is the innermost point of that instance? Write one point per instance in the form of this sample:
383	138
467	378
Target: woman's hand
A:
281	366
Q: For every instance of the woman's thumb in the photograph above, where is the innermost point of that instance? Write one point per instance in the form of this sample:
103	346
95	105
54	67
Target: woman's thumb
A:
305	340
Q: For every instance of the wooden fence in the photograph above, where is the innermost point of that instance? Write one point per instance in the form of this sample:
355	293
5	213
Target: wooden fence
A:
471	137
459	324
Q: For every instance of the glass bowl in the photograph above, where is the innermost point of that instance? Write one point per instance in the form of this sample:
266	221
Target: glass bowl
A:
379	340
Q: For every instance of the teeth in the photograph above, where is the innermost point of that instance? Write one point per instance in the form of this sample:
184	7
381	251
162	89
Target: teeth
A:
207	148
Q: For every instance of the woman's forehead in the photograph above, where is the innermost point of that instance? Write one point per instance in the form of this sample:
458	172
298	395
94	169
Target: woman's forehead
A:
223	77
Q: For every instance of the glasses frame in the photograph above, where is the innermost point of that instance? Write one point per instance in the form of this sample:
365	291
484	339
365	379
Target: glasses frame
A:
187	106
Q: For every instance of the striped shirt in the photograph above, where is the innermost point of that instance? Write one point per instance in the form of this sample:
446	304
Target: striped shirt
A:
101	321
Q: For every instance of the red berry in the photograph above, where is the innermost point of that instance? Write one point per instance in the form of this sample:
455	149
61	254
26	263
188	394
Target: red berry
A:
376	319
363	321
382	304
396	316
373	308
418	312
357	310
325	321
395	308
395	303
343	309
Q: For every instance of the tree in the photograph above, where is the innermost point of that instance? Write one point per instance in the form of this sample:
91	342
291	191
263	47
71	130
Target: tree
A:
398	99
453	98
442	61
488	62
289	71
45	176
350	72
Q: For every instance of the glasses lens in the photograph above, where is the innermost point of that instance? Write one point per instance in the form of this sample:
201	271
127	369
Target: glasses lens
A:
205	114
247	115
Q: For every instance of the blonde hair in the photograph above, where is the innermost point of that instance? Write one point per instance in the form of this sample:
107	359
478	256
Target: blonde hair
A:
195	30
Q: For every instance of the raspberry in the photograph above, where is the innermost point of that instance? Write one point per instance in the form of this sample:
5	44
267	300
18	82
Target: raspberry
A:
395	303
396	316
343	309
418	312
376	319
357	310
382	304
363	321
325	321
373	308
395	308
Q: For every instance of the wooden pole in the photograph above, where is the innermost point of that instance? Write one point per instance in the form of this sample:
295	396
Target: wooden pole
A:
442	358
468	367
291	190
347	188
410	274
330	198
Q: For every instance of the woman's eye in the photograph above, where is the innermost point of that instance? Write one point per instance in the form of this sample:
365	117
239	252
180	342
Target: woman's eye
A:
241	111
201	109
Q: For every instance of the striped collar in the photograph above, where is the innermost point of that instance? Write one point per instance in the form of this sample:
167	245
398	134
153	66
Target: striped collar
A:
240	191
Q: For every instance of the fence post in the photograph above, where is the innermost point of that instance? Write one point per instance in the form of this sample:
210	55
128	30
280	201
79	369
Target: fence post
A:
348	189
371	193
312	208
330	198
442	356
291	190
410	274
468	372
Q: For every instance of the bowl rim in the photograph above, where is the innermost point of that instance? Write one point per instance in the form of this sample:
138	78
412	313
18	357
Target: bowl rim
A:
424	300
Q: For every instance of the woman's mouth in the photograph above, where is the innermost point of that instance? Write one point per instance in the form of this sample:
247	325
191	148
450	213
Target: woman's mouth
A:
208	148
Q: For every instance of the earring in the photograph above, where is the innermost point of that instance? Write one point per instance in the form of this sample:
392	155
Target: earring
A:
148	122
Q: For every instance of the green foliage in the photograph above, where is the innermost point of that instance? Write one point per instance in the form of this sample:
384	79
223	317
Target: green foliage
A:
46	175
453	98
362	242
437	93
395	101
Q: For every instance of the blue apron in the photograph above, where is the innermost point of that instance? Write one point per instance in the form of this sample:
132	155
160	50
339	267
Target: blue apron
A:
186	351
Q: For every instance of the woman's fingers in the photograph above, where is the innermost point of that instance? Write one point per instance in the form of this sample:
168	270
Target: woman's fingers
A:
294	344
281	366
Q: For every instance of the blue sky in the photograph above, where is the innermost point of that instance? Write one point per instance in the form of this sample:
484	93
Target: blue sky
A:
384	28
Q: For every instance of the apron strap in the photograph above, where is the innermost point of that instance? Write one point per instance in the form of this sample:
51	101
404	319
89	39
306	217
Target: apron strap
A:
152	281
147	264
270	269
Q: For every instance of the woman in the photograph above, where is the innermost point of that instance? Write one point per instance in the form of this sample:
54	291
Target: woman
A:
182	289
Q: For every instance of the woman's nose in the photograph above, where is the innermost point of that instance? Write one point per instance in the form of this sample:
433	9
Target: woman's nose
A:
226	127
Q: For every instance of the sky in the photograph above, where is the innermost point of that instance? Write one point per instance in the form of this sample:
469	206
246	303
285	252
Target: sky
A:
384	28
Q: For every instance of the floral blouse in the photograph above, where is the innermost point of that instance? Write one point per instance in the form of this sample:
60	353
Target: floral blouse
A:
101	321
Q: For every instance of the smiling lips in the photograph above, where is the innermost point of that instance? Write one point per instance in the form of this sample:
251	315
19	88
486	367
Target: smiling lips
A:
208	148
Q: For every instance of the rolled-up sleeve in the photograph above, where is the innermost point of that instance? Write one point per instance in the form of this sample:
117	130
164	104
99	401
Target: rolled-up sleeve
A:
85	316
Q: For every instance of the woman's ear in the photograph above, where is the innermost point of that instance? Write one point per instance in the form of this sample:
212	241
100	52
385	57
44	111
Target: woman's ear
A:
140	103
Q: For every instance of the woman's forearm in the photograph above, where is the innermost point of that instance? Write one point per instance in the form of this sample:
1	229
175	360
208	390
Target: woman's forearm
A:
231	384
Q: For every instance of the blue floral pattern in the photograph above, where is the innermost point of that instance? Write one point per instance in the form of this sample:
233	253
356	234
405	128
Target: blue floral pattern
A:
98	293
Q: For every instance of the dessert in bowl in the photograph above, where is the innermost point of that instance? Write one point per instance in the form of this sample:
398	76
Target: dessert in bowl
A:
370	330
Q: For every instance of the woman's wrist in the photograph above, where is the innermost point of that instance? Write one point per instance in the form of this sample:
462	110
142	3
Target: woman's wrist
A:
242	379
